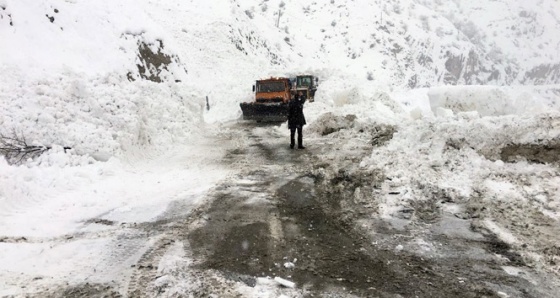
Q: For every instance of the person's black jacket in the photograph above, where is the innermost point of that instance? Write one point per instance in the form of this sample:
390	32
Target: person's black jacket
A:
295	112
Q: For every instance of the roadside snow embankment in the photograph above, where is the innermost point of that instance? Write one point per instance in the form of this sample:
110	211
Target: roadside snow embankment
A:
100	117
460	162
92	90
490	100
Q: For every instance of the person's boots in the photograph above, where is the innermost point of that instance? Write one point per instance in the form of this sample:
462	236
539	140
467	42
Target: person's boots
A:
300	141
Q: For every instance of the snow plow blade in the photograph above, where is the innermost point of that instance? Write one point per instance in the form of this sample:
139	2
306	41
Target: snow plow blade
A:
268	112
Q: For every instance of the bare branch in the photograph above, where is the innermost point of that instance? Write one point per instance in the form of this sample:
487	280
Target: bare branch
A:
16	150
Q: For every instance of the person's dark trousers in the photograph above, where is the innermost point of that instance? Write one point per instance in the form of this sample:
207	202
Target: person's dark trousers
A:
299	137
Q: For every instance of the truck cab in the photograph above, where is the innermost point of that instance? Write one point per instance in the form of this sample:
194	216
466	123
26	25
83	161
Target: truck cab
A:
272	90
271	101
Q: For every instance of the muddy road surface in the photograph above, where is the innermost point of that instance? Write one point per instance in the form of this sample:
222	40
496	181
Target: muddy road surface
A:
307	217
310	218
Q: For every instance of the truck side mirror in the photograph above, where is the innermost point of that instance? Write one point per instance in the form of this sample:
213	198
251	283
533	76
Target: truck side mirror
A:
253	88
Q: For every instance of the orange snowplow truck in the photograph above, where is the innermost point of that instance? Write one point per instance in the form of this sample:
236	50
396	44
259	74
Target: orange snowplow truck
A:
271	101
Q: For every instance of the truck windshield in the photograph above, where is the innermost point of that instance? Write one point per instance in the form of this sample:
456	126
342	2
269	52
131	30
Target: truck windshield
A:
304	81
270	87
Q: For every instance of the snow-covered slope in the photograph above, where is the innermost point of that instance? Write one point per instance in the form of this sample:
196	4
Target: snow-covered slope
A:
423	43
91	59
79	74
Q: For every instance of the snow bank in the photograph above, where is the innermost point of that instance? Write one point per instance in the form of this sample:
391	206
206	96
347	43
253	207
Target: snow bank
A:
76	74
341	96
103	115
486	100
456	161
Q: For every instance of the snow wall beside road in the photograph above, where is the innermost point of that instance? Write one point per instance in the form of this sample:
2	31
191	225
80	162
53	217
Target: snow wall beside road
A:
492	100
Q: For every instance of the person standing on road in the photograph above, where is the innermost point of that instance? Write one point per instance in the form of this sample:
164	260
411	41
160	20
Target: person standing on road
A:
296	119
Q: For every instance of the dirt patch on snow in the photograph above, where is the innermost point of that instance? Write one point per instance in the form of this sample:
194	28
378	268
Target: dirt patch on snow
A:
154	63
86	290
538	153
333	125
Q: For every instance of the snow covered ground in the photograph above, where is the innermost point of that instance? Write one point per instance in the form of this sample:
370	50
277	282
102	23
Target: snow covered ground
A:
65	222
70	78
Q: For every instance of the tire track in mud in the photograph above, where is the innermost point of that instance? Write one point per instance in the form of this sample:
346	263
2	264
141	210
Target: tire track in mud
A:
178	229
329	256
122	246
144	280
146	268
288	225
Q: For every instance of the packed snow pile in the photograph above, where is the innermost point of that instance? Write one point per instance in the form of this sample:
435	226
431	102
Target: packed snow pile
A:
83	76
488	100
500	171
99	116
